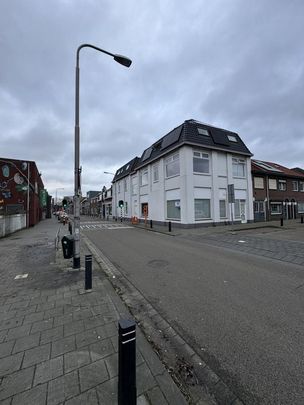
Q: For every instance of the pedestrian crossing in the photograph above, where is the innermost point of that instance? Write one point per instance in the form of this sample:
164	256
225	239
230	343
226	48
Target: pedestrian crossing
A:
97	226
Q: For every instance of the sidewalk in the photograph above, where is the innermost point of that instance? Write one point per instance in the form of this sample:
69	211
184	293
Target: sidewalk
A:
58	344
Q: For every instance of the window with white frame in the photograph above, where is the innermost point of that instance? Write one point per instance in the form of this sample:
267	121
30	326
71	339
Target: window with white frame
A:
172	165
238	207
201	162
301	207
126	184
258	182
301	185
237	212
223	209
238	167
272	184
295	186
118	184
173	209
144	177
126	207
134	185
282	185
202	208
275	208
155	171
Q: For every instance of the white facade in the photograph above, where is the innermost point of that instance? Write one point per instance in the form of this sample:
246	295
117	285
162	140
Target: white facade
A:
188	185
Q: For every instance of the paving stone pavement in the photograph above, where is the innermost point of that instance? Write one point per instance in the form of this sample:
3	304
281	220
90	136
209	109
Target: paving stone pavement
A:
58	343
286	251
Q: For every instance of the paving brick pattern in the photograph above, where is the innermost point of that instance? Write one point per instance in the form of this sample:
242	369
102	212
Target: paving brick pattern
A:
58	344
286	251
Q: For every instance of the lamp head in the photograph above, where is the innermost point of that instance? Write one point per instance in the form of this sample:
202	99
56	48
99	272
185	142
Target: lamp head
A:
123	60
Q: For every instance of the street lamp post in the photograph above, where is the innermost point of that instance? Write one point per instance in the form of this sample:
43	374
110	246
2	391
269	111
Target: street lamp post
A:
123	60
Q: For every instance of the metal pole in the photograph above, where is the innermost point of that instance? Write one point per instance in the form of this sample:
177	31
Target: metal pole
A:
88	272
126	362
28	196
151	224
123	60
76	258
170	226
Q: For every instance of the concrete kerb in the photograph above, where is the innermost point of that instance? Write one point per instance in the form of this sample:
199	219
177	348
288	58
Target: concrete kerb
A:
194	378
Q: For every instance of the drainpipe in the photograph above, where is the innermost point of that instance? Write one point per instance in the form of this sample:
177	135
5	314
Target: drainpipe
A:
267	196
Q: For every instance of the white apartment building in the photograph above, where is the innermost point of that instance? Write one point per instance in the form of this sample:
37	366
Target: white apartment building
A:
184	178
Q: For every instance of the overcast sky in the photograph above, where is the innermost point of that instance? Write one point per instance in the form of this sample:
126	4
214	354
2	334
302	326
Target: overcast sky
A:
236	64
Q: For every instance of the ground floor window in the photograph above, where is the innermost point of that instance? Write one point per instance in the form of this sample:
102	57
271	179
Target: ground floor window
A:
126	208
223	210
202	208
239	208
276	208
301	207
173	209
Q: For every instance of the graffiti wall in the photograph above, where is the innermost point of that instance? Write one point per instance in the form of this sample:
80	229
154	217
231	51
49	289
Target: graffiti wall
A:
20	189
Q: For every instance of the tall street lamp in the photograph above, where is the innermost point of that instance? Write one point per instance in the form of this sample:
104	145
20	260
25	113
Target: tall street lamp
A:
123	60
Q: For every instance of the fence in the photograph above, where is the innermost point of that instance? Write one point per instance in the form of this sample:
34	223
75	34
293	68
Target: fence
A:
11	223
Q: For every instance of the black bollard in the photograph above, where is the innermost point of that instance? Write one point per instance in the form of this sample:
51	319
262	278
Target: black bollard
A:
169	225
281	221
88	272
151	224
126	362
302	219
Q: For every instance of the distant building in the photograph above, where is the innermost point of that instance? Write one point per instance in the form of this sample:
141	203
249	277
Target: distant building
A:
89	204
22	190
184	177
277	191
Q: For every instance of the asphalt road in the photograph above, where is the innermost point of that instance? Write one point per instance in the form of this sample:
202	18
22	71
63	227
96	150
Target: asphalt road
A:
243	313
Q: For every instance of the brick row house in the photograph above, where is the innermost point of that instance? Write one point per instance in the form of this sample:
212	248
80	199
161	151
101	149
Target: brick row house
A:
184	177
97	203
277	191
22	190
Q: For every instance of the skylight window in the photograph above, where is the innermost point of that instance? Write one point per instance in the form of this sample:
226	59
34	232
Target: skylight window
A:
203	131
232	138
127	167
266	166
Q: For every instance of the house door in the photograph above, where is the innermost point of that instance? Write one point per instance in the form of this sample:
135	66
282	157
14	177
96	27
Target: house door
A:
243	211
287	210
293	209
259	211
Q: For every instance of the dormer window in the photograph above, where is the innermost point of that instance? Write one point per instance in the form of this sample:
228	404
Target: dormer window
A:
203	131
232	138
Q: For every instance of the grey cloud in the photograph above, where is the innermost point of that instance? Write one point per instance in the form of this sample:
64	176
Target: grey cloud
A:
238	65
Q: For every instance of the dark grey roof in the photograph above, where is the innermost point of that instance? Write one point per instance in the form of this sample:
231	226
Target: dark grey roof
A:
125	169
188	134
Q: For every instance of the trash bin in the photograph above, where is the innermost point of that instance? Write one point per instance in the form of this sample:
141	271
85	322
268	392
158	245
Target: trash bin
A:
67	246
